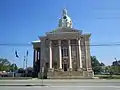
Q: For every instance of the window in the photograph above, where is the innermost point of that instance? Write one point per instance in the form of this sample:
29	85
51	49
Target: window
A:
74	51
38	55
64	51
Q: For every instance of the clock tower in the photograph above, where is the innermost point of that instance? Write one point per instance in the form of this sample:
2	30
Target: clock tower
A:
65	20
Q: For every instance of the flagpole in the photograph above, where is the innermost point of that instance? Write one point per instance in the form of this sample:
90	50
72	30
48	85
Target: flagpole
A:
16	55
13	67
26	58
26	61
26	66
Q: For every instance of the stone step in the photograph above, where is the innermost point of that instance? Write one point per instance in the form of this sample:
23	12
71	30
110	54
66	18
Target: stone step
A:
67	73
68	77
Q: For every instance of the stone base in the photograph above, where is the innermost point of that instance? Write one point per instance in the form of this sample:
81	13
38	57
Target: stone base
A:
64	74
88	73
69	69
89	69
61	70
80	69
60	73
91	73
51	70
69	77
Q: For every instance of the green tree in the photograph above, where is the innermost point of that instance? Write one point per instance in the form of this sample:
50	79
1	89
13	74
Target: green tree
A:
102	64
96	65
13	67
21	70
107	69
29	72
116	63
29	69
4	64
115	67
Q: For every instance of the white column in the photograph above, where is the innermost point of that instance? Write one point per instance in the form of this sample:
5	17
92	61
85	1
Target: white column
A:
70	58
38	56
79	49
35	55
33	60
50	52
60	55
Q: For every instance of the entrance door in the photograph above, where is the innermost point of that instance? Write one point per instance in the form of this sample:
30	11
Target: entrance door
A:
65	64
65	67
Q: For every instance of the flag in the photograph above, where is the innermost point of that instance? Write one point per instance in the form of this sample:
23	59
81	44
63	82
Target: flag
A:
16	54
27	53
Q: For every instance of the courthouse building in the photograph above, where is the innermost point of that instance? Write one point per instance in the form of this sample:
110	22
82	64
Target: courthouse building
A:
65	51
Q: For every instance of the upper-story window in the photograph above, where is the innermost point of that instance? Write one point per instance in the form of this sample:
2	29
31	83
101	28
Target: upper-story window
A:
64	52
74	51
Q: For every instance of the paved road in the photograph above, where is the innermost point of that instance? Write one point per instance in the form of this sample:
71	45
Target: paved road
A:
60	84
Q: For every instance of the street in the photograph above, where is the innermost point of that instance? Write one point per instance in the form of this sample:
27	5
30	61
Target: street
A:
60	84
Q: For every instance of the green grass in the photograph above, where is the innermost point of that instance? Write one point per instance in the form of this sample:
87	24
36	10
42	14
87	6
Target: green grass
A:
108	76
15	78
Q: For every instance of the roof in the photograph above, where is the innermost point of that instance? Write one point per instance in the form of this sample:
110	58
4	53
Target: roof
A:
65	29
37	41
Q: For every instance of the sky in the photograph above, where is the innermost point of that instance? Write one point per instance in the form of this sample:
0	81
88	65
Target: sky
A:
22	21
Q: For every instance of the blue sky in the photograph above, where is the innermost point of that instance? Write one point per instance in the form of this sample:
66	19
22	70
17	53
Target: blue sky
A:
22	21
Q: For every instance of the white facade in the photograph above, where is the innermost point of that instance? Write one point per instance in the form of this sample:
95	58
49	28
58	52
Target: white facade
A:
64	49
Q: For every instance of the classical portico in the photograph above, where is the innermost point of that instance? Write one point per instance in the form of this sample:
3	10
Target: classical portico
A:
64	52
64	49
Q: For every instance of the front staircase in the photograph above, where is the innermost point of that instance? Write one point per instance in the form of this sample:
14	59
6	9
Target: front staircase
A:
68	75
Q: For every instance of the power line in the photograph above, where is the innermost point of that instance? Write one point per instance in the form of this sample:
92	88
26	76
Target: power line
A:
13	44
18	44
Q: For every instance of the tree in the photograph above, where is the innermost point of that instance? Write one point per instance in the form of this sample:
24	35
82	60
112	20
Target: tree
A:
13	67
116	63
96	65
107	69
115	68
29	69
102	64
21	70
4	64
29	72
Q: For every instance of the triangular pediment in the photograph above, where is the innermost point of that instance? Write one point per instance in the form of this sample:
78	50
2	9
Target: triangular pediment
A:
65	29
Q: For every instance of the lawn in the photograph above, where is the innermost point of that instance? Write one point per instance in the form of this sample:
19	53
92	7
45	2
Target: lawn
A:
108	76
